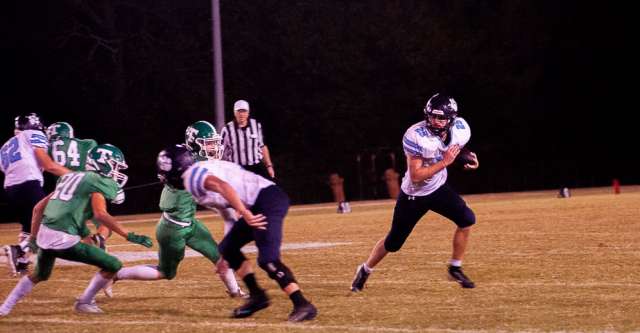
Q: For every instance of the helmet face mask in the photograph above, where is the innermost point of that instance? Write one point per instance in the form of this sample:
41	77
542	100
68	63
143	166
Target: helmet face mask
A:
211	148
108	161
440	112
202	139
60	130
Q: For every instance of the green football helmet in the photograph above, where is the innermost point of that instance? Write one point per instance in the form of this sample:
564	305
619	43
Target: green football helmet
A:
108	160
202	140
60	130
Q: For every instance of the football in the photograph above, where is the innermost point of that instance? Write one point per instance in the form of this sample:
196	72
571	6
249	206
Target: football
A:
464	157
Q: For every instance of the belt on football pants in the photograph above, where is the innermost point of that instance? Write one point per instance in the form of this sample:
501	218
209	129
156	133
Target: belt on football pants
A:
167	217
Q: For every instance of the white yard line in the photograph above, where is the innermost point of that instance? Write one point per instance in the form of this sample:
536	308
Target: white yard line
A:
209	214
240	324
127	256
219	324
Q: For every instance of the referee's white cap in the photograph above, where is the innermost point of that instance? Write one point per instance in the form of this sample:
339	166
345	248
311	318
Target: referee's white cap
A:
241	104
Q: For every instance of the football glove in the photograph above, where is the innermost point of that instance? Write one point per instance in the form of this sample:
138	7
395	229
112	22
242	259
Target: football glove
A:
139	239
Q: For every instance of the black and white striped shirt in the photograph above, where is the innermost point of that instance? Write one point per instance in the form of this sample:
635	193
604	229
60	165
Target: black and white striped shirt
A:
243	145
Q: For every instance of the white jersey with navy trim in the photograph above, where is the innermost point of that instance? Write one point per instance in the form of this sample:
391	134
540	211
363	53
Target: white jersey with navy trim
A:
419	141
247	184
19	162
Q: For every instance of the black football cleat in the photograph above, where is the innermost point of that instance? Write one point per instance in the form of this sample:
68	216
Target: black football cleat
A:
13	253
22	269
302	313
254	304
456	274
359	279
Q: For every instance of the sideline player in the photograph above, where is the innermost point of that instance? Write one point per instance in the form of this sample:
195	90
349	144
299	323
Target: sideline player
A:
23	158
178	226
263	207
430	146
59	225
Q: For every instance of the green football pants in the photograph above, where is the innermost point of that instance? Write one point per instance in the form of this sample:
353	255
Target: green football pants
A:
172	240
80	252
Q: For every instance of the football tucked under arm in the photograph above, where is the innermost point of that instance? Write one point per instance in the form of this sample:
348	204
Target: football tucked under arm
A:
467	159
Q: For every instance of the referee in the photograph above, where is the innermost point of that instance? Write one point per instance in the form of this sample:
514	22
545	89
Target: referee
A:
244	142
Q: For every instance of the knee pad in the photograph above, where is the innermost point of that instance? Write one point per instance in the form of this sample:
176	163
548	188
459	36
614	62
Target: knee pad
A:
468	219
279	272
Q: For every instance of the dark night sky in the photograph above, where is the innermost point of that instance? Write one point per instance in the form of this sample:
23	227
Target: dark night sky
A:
546	86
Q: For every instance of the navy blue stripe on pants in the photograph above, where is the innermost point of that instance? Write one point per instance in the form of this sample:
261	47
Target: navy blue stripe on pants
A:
410	209
273	203
23	197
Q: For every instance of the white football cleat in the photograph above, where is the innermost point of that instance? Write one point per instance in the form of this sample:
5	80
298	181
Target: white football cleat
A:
87	307
238	294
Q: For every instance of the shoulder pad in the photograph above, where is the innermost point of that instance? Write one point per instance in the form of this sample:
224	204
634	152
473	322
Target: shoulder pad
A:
460	132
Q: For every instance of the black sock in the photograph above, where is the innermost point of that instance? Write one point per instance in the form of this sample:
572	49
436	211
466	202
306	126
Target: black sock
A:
252	284
298	299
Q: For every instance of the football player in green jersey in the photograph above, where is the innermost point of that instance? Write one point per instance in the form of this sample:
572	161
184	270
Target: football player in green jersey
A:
59	223
65	149
178	226
71	152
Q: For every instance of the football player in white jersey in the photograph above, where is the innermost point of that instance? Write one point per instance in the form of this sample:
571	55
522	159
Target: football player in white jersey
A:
23	158
262	206
430	146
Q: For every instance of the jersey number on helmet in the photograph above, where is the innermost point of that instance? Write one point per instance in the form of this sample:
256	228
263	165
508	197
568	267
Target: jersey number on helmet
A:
67	186
60	156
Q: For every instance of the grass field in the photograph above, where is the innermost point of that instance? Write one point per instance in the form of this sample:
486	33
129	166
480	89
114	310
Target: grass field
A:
540	264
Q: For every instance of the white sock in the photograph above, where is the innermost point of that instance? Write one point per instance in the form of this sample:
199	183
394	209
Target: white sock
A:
229	280
21	290
455	262
96	284
140	272
367	268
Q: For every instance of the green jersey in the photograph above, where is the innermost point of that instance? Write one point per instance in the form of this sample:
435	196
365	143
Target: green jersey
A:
70	205
71	152
177	204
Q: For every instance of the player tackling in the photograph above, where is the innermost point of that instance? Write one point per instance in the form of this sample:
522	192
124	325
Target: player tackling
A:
262	206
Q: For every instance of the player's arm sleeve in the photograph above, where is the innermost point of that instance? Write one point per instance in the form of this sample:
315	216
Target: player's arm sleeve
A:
37	139
194	179
410	144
